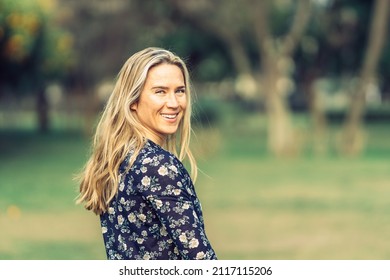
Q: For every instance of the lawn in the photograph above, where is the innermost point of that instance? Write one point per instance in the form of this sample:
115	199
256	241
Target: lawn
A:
255	206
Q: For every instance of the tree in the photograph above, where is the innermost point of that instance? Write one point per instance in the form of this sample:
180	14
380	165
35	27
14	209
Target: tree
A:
352	135
32	51
278	66
275	51
329	52
105	33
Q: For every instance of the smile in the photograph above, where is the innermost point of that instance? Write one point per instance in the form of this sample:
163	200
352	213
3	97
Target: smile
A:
169	116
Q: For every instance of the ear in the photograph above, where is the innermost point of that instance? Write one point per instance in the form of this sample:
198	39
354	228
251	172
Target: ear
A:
134	106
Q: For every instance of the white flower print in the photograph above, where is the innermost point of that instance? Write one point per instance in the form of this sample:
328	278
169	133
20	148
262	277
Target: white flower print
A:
142	217
183	238
158	203
124	246
121	186
176	191
131	217
163	231
104	230
173	168
120	219
146	256
111	210
143	169
193	243
146	160
121	240
186	206
162	171
140	240
200	255
145	181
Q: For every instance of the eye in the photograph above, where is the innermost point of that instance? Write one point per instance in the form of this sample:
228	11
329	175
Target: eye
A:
181	91
159	91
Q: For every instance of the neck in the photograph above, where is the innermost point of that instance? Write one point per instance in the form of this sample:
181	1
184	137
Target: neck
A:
158	139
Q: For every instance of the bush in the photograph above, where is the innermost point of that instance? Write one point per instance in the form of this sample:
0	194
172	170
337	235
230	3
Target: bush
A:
206	111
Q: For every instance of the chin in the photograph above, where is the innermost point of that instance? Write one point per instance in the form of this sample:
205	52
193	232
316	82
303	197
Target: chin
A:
170	131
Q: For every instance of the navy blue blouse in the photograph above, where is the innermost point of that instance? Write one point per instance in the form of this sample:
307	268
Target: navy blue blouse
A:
156	213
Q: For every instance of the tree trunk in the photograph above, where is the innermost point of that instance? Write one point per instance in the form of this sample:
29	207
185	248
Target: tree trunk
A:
352	141
282	140
276	54
319	135
42	107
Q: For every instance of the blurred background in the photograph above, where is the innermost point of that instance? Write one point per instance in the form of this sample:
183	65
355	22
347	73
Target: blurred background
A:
291	123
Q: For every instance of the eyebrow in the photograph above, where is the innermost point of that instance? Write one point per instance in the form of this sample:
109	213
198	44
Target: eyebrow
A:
165	88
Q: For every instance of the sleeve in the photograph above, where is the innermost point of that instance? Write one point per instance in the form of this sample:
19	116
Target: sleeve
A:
167	187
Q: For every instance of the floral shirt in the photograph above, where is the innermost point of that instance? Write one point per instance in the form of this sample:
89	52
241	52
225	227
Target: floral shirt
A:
156	213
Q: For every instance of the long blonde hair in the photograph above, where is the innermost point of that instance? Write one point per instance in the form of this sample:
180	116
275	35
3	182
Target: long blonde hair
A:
119	130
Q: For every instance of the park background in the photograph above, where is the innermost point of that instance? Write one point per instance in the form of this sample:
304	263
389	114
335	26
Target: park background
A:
291	123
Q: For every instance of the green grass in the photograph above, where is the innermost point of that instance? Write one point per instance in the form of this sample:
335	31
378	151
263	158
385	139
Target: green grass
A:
36	169
38	215
309	207
255	206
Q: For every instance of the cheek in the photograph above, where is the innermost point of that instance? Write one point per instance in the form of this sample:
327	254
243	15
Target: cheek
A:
183	103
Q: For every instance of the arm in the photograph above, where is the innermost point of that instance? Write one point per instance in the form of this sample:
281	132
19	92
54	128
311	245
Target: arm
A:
169	190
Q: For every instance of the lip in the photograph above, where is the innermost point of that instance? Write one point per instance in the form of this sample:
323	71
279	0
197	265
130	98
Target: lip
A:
169	117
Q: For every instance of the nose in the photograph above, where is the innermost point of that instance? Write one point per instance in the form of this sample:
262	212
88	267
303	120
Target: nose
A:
172	100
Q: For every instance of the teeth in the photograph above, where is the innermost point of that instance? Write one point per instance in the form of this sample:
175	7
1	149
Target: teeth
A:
169	116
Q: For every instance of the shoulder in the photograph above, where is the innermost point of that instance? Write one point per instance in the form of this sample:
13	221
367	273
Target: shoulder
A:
160	166
153	160
153	155
150	154
159	172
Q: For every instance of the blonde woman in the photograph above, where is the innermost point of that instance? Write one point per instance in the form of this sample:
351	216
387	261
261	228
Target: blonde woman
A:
135	179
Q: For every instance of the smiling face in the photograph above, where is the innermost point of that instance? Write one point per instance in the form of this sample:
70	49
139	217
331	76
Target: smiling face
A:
162	102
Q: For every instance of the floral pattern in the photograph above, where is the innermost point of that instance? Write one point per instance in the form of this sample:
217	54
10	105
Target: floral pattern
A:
156	213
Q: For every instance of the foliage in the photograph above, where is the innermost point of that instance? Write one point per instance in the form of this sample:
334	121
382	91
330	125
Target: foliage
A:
336	38
206	56
32	48
207	111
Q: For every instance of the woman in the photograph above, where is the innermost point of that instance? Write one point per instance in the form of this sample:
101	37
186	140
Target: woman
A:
134	179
